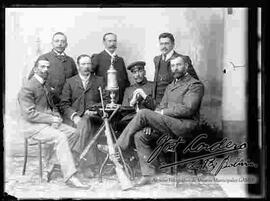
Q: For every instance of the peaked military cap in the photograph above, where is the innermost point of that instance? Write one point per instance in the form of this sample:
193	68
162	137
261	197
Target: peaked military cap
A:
138	64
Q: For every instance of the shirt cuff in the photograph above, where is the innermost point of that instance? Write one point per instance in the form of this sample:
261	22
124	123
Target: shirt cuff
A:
72	116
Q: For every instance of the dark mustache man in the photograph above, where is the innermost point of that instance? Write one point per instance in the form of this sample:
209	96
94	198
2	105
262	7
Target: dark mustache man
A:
163	73
177	115
102	62
80	92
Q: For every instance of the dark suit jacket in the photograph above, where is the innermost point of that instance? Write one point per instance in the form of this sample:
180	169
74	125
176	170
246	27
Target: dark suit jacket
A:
35	109
102	62
75	98
61	68
157	60
182	99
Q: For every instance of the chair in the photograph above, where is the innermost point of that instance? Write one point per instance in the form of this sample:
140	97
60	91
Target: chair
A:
33	142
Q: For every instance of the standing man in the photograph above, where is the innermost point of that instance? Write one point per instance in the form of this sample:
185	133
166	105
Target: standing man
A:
40	122
102	62
163	73
62	66
80	93
177	115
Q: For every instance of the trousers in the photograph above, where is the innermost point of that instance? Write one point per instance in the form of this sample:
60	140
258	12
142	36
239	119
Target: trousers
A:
144	143
59	138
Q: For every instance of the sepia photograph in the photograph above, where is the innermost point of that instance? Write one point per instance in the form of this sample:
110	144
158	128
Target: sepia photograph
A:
129	102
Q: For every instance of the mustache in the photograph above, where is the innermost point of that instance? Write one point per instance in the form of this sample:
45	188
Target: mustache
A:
114	46
177	71
164	48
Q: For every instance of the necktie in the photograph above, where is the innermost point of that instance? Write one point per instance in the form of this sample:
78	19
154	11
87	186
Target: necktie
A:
48	96
163	57
85	83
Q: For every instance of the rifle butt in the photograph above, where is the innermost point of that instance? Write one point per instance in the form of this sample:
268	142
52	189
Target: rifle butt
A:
124	181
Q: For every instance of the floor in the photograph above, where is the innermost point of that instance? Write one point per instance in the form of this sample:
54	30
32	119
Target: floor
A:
29	185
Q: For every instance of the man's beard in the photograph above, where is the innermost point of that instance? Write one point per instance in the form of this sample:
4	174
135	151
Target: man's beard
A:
178	74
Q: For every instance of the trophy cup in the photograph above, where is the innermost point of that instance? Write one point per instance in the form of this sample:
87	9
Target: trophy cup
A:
112	85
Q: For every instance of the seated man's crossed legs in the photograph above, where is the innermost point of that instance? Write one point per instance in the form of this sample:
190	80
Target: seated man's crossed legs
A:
162	124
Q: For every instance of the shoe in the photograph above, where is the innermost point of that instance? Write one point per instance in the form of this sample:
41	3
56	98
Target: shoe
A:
144	181
74	182
49	171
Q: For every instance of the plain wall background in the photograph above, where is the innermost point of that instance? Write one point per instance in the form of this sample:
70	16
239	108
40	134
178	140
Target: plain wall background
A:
199	33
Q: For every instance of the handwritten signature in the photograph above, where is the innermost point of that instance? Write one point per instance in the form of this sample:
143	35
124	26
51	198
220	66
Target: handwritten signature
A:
225	146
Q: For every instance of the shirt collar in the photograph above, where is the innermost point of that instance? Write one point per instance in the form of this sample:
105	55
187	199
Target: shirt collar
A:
40	79
58	54
84	78
169	55
111	54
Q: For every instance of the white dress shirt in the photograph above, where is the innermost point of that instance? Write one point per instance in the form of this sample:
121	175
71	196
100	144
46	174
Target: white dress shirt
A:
85	80
169	55
58	54
111	54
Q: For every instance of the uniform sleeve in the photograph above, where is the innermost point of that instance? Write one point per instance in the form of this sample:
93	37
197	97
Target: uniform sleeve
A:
66	101
26	100
190	104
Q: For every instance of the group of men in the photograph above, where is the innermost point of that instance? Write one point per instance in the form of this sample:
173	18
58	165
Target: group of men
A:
55	102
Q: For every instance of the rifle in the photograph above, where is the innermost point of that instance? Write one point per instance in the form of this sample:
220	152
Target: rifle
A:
122	177
91	143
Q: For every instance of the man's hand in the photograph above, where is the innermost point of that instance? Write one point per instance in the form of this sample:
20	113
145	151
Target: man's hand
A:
136	94
159	111
76	119
90	113
147	130
115	157
140	92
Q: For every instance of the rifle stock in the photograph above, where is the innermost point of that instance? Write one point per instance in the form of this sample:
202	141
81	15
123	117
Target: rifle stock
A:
125	183
122	177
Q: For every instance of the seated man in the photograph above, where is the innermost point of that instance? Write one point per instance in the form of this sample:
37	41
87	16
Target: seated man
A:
40	122
177	115
80	92
138	95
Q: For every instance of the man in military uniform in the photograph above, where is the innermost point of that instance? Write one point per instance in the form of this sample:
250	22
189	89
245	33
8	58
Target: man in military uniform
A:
139	94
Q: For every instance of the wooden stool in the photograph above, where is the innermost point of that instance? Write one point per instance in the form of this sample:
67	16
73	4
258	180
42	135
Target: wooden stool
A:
26	144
